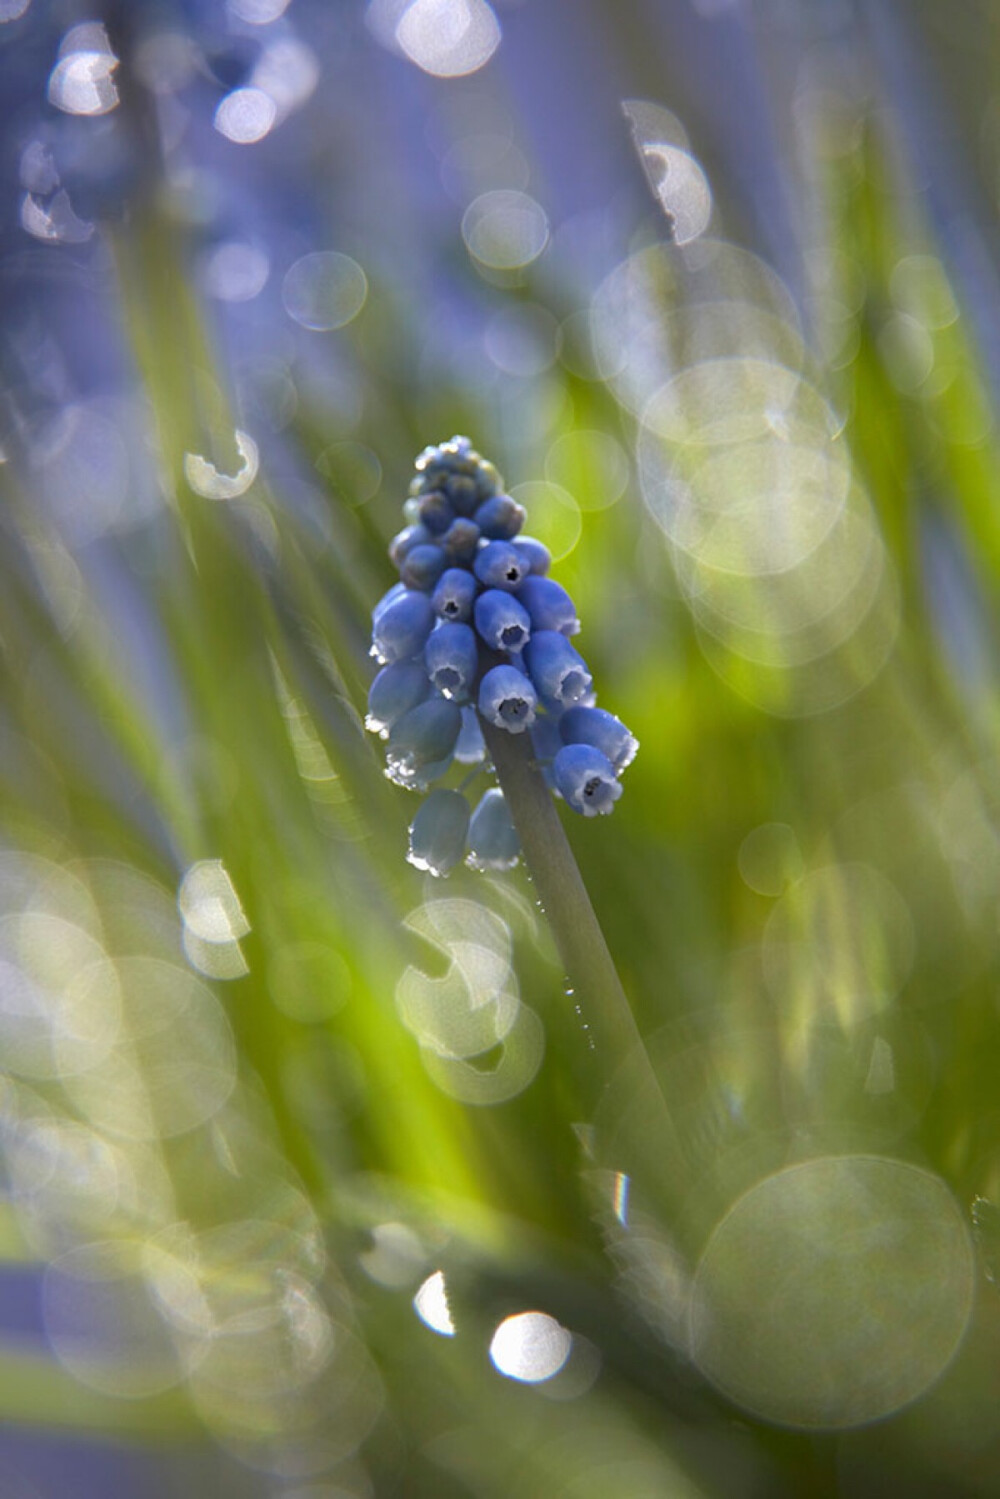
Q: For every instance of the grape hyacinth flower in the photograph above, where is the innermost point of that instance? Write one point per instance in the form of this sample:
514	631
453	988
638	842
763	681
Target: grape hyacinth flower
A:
438	832
603	730
422	738
451	656
493	842
557	670
474	639
502	622
507	698
397	688
586	779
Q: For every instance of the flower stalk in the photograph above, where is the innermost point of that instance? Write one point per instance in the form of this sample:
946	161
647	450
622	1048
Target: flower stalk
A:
476	661
582	948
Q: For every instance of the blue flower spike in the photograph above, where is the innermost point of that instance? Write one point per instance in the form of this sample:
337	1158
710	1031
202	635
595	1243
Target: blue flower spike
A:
475	633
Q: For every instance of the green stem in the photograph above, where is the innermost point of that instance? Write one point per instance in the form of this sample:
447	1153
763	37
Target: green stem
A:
643	1136
589	965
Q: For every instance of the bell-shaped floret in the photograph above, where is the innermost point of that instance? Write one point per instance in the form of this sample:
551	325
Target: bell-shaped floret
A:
545	737
604	731
452	658
500	518
499	565
389	597
423	738
425	776
455	594
493	840
461	491
438	832
507	699
401	625
501	621
458	452
403	543
488	480
558	671
534	552
436	513
395	690
546	743
441	460
586	779
423	566
549	605
460	542
470	746
427	458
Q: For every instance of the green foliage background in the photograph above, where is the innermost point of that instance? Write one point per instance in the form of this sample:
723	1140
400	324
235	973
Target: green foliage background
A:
261	622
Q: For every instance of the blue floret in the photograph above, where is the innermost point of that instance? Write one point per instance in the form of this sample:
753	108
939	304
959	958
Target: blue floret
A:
500	518
557	670
470	747
493	841
549	605
535	553
507	699
461	541
438	832
435	512
455	594
502	622
403	543
603	730
586	779
422	738
423	566
397	688
402	627
500	565
451	656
